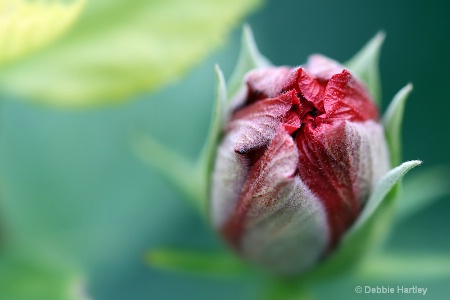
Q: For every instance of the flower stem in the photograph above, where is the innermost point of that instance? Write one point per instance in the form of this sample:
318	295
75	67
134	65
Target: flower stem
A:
286	289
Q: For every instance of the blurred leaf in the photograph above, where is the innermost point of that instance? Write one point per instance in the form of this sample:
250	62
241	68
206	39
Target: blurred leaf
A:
120	48
26	26
249	58
365	65
392	121
404	266
199	262
421	189
24	277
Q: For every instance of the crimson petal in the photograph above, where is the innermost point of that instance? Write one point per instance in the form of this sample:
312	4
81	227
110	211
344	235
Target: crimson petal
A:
340	163
345	98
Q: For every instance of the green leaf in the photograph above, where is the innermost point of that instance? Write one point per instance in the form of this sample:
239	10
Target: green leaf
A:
120	48
421	189
405	266
249	58
25	276
392	121
365	65
27	26
209	263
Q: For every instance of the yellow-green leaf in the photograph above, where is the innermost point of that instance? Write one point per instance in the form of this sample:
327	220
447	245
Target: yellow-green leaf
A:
120	48
26	26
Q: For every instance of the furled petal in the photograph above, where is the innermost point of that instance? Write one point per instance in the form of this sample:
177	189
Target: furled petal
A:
311	88
291	122
250	128
340	163
260	193
255	125
277	221
291	239
346	98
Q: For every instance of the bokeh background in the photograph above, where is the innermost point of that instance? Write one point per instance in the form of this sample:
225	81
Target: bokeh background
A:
71	181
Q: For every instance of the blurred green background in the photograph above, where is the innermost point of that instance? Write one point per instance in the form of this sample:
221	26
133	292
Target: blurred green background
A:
72	184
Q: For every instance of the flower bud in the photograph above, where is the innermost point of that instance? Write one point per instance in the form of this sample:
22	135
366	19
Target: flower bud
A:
300	156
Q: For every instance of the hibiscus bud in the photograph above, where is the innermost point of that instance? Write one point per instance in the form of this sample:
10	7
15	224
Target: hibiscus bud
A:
300	156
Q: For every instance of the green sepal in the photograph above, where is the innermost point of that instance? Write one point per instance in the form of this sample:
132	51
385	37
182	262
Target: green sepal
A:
392	121
191	178
422	189
368	229
219	116
249	58
365	65
380	192
199	262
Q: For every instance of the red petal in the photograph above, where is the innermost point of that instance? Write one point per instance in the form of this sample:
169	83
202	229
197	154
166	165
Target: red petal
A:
291	122
346	98
311	88
327	166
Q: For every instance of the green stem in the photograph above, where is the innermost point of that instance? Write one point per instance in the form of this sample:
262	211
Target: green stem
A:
286	289
180	171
